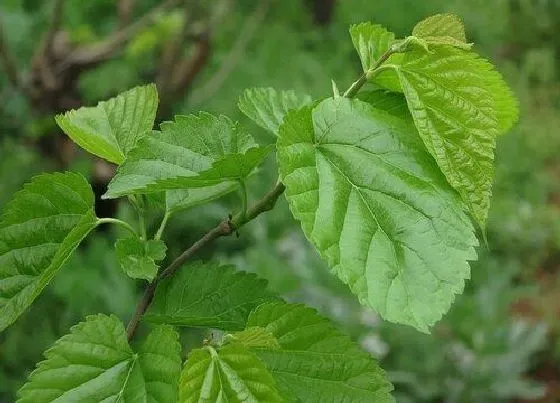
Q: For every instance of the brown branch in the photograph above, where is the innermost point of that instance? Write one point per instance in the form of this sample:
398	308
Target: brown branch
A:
224	228
56	20
93	54
234	56
124	11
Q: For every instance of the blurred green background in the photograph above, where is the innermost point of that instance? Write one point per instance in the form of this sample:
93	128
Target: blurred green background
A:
499	342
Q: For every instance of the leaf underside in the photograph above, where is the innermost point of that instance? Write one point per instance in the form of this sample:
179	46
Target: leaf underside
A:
94	362
377	208
316	362
112	128
267	107
39	230
208	295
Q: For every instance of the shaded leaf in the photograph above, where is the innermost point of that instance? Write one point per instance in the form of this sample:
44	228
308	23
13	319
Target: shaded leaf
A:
112	128
94	362
316	362
40	229
232	374
377	208
207	295
137	257
267	107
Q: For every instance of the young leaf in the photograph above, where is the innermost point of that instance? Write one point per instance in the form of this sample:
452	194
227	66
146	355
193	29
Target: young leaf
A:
254	337
137	257
208	295
39	230
95	363
377	208
191	152
441	25
459	104
316	362
232	374
112	128
267	107
370	41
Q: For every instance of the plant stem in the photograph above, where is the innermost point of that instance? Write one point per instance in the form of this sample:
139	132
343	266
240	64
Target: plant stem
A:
116	221
224	228
370	73
243	197
161	228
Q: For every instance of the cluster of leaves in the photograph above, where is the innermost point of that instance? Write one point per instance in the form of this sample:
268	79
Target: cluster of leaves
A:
383	186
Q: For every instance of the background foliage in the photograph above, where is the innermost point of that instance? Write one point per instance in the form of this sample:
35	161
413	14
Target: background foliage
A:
498	343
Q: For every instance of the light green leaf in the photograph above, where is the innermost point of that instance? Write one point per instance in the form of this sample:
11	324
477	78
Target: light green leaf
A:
39	230
450	94
232	374
370	41
207	295
94	363
137	257
316	362
112	128
377	208
194	151
441	25
267	107
254	337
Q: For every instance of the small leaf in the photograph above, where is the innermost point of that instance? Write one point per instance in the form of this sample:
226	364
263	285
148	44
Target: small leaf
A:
370	41
112	128
232	374
267	107
39	230
201	151
254	337
441	25
137	257
316	362
95	363
207	295
459	104
377	208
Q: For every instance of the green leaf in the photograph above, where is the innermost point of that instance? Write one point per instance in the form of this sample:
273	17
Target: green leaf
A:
267	107
370	41
377	208
316	362
39	230
137	257
232	374
391	102
112	128
94	363
441	25
207	295
457	101
254	337
194	151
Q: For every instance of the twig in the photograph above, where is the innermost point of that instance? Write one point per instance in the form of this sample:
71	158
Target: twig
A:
125	8
224	228
234	56
93	54
56	20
